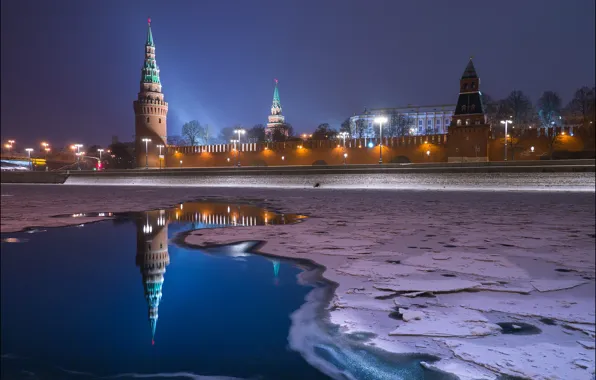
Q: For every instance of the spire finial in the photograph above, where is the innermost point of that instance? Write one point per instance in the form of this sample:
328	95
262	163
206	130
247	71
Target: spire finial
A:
149	20
276	81
471	57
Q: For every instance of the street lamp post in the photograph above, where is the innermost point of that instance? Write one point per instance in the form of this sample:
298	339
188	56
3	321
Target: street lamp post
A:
147	141
506	122
9	145
343	135
380	120
239	132
78	147
160	146
29	150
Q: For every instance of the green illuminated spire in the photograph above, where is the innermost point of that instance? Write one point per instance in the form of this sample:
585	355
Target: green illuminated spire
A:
276	102
276	106
149	34
150	71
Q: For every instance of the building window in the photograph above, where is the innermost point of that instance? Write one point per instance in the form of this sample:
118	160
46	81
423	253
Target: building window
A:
438	121
147	119
463	108
420	122
160	120
478	122
465	86
467	121
472	107
429	122
446	121
458	121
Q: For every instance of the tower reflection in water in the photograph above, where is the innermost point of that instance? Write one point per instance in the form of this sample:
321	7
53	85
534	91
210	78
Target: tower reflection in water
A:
152	256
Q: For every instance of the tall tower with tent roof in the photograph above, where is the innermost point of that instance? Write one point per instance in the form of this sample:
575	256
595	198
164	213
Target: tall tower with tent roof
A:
151	110
469	131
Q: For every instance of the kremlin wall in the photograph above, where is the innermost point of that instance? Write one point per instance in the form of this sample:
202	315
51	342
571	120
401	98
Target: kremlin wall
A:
411	149
469	137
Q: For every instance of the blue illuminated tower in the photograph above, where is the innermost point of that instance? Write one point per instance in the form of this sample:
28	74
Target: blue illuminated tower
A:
152	258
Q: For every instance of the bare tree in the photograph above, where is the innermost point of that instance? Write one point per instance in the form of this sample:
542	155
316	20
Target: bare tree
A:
256	133
176	141
192	132
582	107
346	126
581	110
518	107
553	141
324	132
360	128
549	109
227	133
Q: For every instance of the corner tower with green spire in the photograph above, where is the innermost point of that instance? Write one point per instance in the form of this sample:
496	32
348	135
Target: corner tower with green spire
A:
276	119
150	109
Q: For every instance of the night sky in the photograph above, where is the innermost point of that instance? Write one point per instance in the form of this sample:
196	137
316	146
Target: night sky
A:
71	68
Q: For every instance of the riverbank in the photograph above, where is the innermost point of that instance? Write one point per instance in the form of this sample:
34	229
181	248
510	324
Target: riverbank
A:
424	271
343	176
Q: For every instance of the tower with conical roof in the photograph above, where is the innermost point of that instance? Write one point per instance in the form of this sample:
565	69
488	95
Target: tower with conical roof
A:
276	119
152	258
151	110
469	131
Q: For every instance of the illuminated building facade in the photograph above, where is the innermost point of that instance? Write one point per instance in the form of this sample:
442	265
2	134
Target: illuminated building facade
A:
417	121
152	258
276	120
150	109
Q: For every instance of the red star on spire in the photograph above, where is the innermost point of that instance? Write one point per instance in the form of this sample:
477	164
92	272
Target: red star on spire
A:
149	20
275	81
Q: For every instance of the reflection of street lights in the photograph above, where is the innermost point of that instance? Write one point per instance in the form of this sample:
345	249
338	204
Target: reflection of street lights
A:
29	150
506	122
380	120
160	156
147	141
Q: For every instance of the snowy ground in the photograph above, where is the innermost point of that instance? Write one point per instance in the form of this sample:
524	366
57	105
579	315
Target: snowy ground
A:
446	265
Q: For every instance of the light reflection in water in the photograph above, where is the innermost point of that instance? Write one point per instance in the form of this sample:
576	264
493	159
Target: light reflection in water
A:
152	255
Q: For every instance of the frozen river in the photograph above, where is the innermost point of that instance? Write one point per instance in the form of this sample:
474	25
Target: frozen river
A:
493	283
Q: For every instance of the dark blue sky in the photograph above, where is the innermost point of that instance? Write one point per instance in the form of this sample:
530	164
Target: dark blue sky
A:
71	69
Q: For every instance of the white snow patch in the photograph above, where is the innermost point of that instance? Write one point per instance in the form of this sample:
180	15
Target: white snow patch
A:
540	361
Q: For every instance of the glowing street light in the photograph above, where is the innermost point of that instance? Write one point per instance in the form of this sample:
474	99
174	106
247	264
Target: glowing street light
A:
29	150
343	135
147	141
239	132
380	120
160	156
9	144
345	157
506	122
